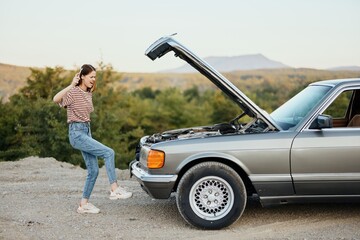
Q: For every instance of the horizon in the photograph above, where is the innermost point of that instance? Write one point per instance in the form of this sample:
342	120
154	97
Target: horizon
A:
173	70
301	34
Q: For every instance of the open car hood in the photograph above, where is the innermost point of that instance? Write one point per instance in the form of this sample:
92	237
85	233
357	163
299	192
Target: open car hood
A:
167	44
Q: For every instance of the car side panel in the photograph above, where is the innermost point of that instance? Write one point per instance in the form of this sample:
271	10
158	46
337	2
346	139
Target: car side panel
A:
264	157
326	161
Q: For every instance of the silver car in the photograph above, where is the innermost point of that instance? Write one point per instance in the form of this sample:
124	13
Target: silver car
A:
307	150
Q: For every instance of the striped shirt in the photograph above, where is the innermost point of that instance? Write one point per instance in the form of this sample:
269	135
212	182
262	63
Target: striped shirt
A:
79	105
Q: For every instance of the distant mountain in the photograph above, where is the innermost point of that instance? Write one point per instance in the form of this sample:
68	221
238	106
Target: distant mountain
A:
12	78
235	63
345	68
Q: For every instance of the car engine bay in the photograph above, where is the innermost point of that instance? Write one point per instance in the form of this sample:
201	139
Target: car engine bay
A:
231	128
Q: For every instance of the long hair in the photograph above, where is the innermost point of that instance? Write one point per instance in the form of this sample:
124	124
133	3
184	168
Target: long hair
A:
85	70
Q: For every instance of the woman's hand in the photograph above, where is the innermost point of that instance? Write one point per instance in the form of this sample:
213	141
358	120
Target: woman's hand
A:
75	80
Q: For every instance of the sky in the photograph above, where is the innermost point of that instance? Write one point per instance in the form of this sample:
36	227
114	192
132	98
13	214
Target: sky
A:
68	33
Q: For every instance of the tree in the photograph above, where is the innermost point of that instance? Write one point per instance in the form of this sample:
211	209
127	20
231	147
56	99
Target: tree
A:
43	84
34	125
223	108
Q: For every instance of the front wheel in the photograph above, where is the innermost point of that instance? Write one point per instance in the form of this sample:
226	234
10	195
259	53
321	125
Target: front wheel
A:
211	195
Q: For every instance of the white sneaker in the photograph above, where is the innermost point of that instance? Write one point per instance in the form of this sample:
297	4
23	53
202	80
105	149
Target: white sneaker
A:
88	208
120	193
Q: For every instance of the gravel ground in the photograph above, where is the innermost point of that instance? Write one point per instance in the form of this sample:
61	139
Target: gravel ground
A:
39	197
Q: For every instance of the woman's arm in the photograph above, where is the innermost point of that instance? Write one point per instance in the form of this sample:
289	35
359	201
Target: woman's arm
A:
57	98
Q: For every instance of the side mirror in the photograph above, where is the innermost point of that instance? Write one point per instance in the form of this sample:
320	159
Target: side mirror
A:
322	121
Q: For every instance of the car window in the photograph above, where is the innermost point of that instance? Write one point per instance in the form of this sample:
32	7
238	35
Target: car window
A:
293	111
340	105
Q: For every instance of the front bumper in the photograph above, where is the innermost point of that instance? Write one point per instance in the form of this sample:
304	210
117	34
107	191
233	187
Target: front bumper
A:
157	186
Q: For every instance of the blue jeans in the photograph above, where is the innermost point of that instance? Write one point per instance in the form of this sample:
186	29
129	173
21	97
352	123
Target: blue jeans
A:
80	138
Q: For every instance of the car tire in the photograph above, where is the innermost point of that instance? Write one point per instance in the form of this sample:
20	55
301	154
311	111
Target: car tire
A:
211	195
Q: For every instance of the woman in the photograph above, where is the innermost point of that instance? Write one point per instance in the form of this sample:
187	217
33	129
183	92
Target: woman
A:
77	99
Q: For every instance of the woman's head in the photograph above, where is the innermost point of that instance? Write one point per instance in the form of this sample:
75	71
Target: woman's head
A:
87	76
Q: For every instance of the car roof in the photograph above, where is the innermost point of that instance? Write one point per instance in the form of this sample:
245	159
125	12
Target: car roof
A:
337	82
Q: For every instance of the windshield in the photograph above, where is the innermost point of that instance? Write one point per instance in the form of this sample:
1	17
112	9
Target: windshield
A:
293	111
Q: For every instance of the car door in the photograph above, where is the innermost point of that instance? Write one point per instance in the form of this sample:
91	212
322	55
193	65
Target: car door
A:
327	161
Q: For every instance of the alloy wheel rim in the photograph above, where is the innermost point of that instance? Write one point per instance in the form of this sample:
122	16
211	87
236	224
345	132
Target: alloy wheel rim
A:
211	198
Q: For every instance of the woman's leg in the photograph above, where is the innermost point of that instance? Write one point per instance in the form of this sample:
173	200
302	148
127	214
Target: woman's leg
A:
98	149
90	146
92	173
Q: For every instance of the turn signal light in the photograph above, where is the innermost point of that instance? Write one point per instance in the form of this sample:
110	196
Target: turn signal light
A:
156	159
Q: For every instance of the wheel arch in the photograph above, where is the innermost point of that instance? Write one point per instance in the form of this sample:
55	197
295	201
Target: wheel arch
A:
234	165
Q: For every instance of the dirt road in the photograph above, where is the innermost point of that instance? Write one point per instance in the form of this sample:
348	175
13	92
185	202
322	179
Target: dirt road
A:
39	197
